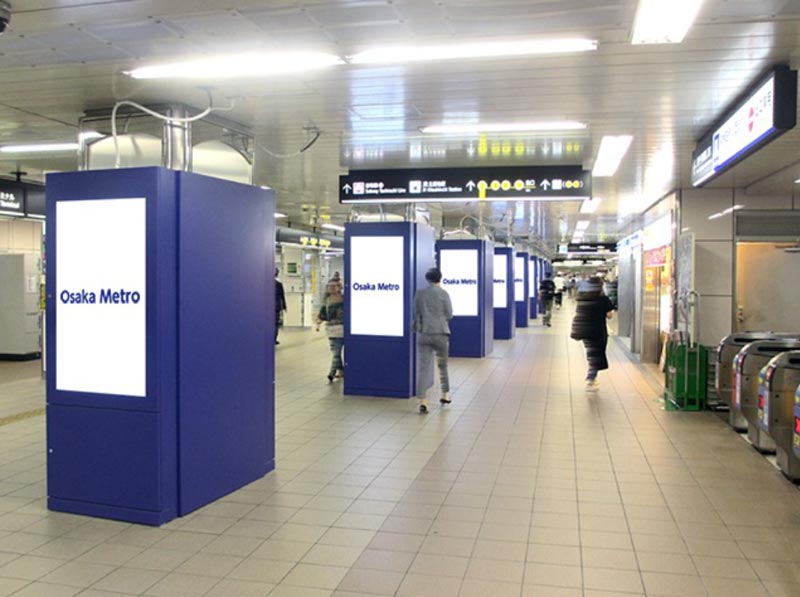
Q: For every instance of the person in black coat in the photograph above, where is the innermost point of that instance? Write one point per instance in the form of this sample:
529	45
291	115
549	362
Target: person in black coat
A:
280	305
589	325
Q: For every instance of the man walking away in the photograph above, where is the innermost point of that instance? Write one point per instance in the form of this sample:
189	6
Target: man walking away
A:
547	292
280	305
432	312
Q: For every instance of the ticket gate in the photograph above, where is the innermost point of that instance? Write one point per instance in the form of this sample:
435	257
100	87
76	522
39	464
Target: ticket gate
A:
796	426
776	400
728	347
744	399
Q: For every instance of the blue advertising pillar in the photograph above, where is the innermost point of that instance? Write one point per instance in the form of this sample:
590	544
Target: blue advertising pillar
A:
160	354
533	276
503	294
521	288
467	275
385	264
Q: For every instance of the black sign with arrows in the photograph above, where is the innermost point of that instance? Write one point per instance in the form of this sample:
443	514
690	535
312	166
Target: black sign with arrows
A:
434	185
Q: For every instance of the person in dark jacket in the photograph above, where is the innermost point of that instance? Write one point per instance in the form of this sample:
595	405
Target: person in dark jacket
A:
547	292
280	305
589	325
332	313
432	312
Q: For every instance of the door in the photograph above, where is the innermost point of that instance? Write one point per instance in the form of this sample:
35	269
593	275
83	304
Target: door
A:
764	301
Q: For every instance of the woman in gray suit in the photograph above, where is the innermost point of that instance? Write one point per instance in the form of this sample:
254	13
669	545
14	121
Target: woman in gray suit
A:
432	312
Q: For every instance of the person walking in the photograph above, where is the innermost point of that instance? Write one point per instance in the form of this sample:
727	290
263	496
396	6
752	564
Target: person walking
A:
589	325
559	294
280	304
432	312
547	292
332	313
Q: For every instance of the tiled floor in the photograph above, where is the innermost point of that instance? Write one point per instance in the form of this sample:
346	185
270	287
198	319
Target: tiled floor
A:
526	486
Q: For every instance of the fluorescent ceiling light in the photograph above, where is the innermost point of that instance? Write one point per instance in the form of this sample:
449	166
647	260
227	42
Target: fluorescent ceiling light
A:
664	21
39	148
719	214
589	206
736	207
502	127
612	149
329	226
90	135
582	225
238	65
416	53
279	215
797	181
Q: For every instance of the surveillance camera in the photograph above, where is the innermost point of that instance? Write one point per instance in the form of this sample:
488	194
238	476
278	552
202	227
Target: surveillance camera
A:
5	15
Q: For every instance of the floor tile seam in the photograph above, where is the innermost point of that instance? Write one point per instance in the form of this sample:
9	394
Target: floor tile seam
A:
540	453
476	438
674	520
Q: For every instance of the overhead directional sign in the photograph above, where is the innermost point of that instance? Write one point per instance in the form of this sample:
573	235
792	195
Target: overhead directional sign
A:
433	185
765	112
592	248
12	199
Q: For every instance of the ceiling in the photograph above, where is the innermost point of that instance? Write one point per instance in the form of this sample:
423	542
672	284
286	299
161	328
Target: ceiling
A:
61	57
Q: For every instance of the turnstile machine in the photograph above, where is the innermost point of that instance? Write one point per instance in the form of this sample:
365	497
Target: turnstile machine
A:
744	399
728	347
776	402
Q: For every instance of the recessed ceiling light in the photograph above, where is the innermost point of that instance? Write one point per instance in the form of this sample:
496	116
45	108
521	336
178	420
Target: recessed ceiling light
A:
39	148
664	21
238	66
501	127
589	206
612	149
416	53
329	226
582	225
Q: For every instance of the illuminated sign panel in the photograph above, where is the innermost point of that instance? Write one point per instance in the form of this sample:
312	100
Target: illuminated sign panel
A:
500	281
435	185
377	286
519	279
100	296
767	111
460	279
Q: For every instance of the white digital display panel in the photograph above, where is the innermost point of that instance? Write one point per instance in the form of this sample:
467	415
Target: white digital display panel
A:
500	281
519	279
460	279
100	296
532	290
376	285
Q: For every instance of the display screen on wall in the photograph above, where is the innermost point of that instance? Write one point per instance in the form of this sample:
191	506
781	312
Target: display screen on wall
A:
377	266
101	296
532	290
500	281
519	279
460	279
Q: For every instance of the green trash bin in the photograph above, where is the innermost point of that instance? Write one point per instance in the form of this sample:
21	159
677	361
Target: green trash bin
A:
686	371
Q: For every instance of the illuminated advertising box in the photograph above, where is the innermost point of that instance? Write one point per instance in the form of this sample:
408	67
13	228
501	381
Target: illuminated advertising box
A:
460	280
500	281
100	297
376	295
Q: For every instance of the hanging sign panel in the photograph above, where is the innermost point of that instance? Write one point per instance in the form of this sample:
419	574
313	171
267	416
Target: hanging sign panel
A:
460	279
377	286
500	285
767	111
100	296
12	199
434	185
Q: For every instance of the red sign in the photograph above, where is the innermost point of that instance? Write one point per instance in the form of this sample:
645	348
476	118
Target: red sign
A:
655	257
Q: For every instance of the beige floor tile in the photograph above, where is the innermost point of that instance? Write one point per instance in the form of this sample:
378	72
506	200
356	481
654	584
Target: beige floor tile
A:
29	567
377	582
261	570
294	591
240	588
529	590
616	559
129	580
553	575
77	574
482	588
727	587
159	559
208	564
496	570
658	583
420	585
41	589
182	585
554	554
500	550
439	565
605	579
318	577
